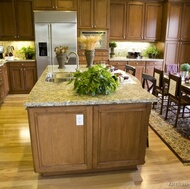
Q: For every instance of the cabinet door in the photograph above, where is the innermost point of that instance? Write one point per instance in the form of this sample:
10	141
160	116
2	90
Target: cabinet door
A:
85	13
25	29
113	145
66	4
117	20
135	21
171	52
43	4
58	143
29	78
5	79
150	65
140	68
16	79
185	29
174	21
153	21
101	14
184	53
7	20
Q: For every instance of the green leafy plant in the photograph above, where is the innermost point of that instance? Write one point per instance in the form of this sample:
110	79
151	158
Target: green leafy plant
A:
112	44
96	80
29	52
185	67
151	51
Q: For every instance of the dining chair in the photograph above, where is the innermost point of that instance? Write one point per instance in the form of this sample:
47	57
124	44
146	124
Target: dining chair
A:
161	88
177	99
148	83
130	69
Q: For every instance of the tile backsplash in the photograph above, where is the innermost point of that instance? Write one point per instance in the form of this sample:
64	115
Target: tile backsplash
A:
123	48
17	46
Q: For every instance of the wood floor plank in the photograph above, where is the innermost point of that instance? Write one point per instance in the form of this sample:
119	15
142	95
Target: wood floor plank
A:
161	170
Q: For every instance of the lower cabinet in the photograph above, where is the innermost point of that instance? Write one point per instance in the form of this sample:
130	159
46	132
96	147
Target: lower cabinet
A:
141	66
111	137
4	85
22	77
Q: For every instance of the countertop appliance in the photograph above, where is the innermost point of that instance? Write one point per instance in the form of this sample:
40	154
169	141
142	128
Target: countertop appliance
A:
53	29
1	51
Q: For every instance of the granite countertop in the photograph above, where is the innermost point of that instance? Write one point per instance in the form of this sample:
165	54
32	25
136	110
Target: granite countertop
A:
60	94
133	59
3	61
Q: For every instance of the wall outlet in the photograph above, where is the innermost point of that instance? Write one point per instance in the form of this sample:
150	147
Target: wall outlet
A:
79	119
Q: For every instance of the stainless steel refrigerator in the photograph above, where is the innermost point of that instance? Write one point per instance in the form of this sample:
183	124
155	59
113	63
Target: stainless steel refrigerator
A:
53	29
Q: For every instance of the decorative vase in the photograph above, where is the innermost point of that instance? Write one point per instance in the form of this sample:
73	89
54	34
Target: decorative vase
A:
184	74
61	59
89	54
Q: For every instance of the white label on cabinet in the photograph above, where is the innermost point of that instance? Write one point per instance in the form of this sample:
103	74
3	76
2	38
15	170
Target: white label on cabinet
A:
79	119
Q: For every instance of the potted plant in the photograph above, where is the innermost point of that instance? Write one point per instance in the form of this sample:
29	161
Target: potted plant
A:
112	45
151	51
89	44
96	80
61	55
29	52
185	68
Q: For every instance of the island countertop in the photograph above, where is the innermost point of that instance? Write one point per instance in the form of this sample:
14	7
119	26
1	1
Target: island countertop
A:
62	94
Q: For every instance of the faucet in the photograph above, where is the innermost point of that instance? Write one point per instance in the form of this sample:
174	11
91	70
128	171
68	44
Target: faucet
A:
77	59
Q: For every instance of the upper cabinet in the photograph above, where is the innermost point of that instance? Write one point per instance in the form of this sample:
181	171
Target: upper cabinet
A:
55	5
135	20
16	20
178	21
93	14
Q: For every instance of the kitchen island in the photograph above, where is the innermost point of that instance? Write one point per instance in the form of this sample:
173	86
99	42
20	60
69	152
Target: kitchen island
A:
77	134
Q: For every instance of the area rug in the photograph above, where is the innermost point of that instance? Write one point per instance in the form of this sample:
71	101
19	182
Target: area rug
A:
178	144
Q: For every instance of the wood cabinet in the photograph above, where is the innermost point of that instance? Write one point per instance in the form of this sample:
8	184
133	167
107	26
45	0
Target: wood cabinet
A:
117	20
119	135
178	28
100	55
111	137
22	77
135	20
16	20
177	52
118	64
150	65
140	68
55	5
93	14
4	83
64	146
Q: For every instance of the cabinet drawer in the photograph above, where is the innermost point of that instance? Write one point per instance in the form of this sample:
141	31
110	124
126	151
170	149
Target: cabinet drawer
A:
154	63
20	64
120	63
136	63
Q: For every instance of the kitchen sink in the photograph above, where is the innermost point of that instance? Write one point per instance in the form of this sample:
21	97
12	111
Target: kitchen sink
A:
58	77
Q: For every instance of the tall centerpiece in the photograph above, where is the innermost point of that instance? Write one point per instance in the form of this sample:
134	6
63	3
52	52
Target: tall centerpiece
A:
89	44
61	55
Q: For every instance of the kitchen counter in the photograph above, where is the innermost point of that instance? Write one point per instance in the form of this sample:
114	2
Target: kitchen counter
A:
60	94
135	59
3	61
78	134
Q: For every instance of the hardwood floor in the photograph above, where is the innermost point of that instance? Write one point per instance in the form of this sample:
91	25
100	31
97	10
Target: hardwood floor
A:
162	169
